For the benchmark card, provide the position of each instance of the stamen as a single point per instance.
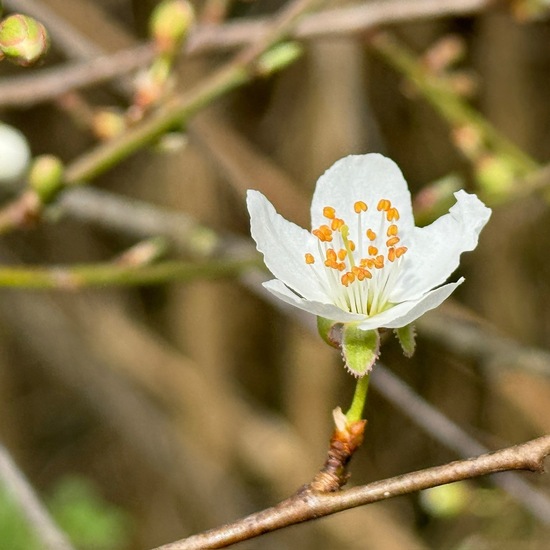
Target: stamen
(347, 278)
(383, 205)
(392, 214)
(324, 233)
(329, 212)
(379, 262)
(400, 251)
(336, 224)
(362, 269)
(393, 241)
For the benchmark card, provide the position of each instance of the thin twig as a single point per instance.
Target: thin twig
(457, 112)
(49, 83)
(307, 505)
(112, 274)
(29, 504)
(452, 436)
(334, 22)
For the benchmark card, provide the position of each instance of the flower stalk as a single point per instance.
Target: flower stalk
(359, 400)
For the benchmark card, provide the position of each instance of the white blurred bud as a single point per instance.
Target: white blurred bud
(15, 153)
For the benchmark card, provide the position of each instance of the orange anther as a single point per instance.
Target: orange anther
(392, 214)
(351, 245)
(373, 251)
(320, 235)
(391, 254)
(342, 253)
(383, 204)
(347, 278)
(310, 259)
(392, 230)
(379, 262)
(393, 241)
(371, 235)
(367, 262)
(362, 273)
(329, 212)
(324, 233)
(336, 224)
(400, 251)
(360, 206)
(341, 266)
(331, 255)
(331, 263)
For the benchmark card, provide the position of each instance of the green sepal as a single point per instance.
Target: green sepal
(360, 349)
(406, 336)
(330, 331)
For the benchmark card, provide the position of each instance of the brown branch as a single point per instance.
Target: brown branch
(307, 505)
(334, 22)
(49, 83)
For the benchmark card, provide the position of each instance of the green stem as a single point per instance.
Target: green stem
(112, 274)
(359, 399)
(452, 107)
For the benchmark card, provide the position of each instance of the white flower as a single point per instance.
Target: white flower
(365, 262)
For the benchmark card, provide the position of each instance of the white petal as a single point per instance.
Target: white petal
(329, 311)
(435, 250)
(406, 312)
(368, 178)
(283, 245)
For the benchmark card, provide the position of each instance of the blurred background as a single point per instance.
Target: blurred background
(142, 414)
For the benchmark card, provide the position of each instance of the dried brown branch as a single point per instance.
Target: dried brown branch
(307, 505)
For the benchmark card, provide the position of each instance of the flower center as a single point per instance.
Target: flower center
(359, 270)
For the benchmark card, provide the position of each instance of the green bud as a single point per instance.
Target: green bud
(170, 22)
(278, 57)
(46, 177)
(447, 501)
(23, 40)
(108, 124)
(360, 349)
(406, 336)
(495, 175)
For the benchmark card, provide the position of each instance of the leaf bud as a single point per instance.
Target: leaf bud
(169, 25)
(23, 40)
(46, 177)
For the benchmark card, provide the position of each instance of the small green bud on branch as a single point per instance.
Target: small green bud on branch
(46, 177)
(23, 40)
(170, 24)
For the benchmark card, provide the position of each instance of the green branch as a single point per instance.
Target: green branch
(486, 143)
(103, 275)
